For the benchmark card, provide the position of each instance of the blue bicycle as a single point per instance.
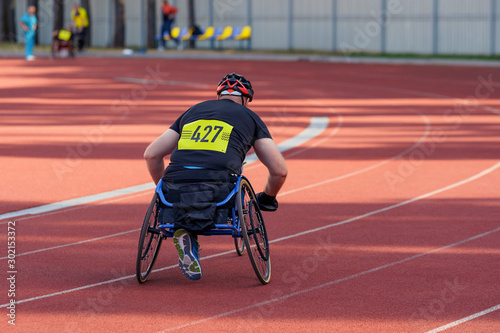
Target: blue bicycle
(244, 223)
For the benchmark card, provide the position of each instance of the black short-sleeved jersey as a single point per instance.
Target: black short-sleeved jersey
(216, 134)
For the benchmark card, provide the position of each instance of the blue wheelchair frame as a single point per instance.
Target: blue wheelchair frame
(232, 229)
(246, 227)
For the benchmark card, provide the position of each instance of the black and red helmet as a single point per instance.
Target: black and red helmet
(236, 85)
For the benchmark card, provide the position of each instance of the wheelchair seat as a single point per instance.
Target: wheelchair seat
(197, 203)
(195, 206)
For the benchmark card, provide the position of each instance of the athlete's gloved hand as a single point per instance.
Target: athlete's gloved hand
(266, 202)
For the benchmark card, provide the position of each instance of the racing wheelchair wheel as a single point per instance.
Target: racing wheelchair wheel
(254, 231)
(149, 242)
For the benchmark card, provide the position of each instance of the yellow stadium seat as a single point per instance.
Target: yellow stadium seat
(175, 32)
(246, 33)
(227, 33)
(207, 34)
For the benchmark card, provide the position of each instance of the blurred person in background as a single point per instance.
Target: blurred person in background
(81, 22)
(169, 12)
(29, 24)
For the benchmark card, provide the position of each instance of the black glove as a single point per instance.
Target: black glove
(266, 202)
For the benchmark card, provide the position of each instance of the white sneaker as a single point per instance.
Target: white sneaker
(30, 58)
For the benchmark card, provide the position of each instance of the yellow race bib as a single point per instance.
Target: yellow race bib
(205, 135)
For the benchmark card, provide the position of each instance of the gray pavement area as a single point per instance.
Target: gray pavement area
(18, 52)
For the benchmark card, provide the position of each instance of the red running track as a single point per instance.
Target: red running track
(389, 221)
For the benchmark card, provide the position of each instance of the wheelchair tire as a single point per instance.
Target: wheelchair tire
(254, 231)
(149, 242)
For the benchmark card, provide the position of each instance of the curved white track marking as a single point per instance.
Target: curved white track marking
(78, 201)
(316, 126)
(463, 320)
(319, 125)
(74, 202)
(371, 167)
(327, 284)
(406, 202)
(398, 90)
(340, 121)
(446, 188)
(336, 129)
(300, 234)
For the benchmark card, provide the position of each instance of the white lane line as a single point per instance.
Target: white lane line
(336, 129)
(76, 243)
(303, 291)
(463, 320)
(371, 167)
(70, 209)
(465, 102)
(162, 82)
(446, 188)
(317, 125)
(340, 121)
(77, 201)
(406, 202)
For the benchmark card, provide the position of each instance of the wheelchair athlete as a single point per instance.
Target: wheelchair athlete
(62, 40)
(208, 144)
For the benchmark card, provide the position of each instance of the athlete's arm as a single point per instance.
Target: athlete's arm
(270, 156)
(164, 145)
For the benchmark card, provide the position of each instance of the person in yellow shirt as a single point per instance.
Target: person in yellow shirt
(81, 22)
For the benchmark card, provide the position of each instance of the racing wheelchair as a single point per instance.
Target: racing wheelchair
(244, 223)
(62, 44)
